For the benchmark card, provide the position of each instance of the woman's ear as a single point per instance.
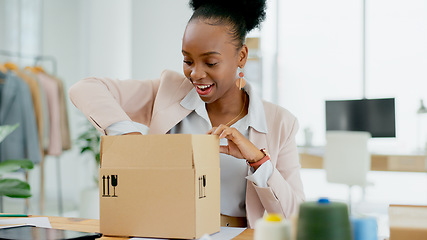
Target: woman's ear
(243, 56)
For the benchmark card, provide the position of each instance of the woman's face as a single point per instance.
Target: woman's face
(211, 59)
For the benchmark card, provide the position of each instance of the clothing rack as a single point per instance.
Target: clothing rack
(37, 59)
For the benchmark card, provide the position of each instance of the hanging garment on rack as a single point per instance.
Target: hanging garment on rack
(33, 84)
(16, 107)
(44, 108)
(51, 90)
(63, 115)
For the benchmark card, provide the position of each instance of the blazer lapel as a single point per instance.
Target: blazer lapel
(167, 118)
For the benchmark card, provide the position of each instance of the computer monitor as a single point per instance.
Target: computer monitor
(376, 116)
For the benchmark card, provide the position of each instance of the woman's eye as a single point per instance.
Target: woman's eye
(188, 62)
(211, 64)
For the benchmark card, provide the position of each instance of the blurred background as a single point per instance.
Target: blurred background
(306, 52)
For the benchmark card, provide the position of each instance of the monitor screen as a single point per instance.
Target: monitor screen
(376, 116)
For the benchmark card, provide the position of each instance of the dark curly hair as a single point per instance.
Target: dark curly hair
(241, 15)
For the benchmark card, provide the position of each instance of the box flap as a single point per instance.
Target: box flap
(159, 151)
(206, 151)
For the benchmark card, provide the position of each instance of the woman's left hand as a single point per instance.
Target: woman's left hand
(238, 145)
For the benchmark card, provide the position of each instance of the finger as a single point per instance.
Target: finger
(220, 129)
(225, 134)
(223, 149)
(211, 130)
(229, 133)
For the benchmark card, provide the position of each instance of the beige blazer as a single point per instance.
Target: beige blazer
(156, 104)
(50, 87)
(63, 115)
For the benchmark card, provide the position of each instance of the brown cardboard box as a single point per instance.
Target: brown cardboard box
(408, 222)
(165, 186)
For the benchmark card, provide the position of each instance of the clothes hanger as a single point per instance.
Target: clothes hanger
(11, 66)
(39, 69)
(35, 69)
(31, 69)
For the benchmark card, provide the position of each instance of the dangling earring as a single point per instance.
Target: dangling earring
(241, 82)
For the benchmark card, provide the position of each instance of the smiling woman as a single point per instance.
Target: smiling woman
(259, 160)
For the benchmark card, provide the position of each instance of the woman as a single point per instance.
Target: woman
(212, 98)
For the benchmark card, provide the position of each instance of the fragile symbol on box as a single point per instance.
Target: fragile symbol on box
(106, 185)
(202, 186)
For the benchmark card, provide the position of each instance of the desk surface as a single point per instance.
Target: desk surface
(92, 225)
(312, 157)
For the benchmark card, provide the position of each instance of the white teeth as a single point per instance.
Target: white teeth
(203, 87)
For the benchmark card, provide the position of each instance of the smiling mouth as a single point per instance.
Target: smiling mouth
(204, 89)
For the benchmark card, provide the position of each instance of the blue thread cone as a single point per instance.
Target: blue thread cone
(364, 228)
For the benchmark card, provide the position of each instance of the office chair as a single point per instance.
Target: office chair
(347, 159)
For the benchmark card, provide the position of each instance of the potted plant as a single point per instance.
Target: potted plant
(11, 187)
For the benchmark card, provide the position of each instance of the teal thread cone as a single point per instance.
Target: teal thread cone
(324, 220)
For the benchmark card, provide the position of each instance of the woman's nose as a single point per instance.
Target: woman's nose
(197, 73)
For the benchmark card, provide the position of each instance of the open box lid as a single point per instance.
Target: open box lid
(160, 151)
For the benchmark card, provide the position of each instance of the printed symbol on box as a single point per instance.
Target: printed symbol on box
(202, 186)
(114, 184)
(106, 185)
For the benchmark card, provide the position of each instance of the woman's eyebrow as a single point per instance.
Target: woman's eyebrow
(210, 53)
(203, 54)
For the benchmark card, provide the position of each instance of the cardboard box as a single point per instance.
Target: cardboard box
(161, 186)
(408, 222)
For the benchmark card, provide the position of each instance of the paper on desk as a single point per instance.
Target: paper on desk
(224, 234)
(33, 221)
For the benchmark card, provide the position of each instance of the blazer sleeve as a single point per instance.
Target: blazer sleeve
(285, 191)
(105, 101)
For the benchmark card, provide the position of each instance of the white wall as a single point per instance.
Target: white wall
(107, 37)
(158, 28)
(319, 57)
(269, 52)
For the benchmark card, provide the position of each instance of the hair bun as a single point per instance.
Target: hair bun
(252, 11)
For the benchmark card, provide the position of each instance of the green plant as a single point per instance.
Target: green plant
(89, 142)
(10, 187)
